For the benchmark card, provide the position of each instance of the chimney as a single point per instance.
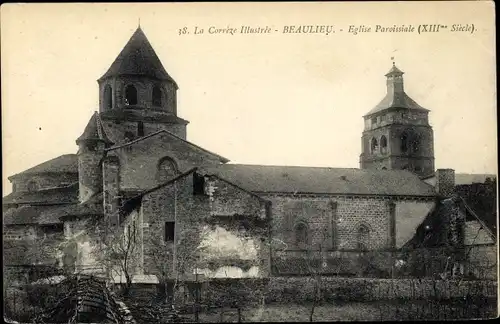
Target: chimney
(445, 182)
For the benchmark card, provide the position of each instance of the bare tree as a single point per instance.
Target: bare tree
(117, 250)
(314, 270)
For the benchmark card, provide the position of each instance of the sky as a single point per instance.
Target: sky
(278, 99)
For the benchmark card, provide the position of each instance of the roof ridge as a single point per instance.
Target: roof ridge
(169, 133)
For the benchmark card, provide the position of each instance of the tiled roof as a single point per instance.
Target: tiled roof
(93, 206)
(62, 195)
(470, 178)
(138, 58)
(432, 232)
(396, 100)
(394, 71)
(395, 97)
(67, 163)
(317, 180)
(24, 215)
(94, 130)
(93, 300)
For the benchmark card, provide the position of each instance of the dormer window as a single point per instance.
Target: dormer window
(130, 95)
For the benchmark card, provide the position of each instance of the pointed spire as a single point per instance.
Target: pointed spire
(94, 131)
(396, 96)
(394, 71)
(138, 58)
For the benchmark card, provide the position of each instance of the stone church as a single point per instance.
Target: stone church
(189, 211)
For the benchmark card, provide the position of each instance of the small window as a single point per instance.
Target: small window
(108, 99)
(374, 120)
(198, 184)
(169, 231)
(140, 129)
(157, 96)
(130, 95)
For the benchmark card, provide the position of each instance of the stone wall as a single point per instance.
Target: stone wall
(139, 162)
(20, 232)
(301, 288)
(208, 234)
(333, 221)
(89, 172)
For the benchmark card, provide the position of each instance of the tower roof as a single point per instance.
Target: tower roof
(94, 131)
(396, 97)
(138, 58)
(394, 71)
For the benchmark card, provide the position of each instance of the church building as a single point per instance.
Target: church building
(185, 210)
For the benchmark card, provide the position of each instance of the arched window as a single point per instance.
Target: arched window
(383, 144)
(404, 142)
(384, 168)
(157, 96)
(32, 186)
(301, 235)
(374, 145)
(130, 95)
(363, 238)
(167, 169)
(108, 99)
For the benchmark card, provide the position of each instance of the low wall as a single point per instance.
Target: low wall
(359, 289)
(230, 292)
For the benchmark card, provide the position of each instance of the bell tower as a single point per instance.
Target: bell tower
(397, 134)
(136, 94)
